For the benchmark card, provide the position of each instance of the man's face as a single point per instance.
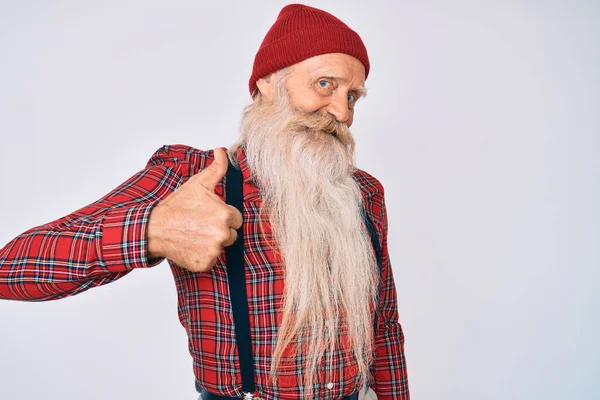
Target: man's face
(331, 82)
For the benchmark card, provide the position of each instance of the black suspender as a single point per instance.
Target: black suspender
(237, 280)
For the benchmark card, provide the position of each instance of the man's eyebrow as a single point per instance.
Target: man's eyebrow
(360, 90)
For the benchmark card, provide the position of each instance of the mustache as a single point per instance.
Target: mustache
(315, 122)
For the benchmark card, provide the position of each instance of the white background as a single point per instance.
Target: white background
(482, 122)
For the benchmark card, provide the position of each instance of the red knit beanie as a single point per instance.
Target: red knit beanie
(301, 32)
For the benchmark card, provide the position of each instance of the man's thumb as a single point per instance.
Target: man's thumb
(212, 175)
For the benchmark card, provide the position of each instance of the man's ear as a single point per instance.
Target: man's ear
(266, 86)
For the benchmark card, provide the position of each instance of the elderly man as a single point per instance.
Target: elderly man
(278, 244)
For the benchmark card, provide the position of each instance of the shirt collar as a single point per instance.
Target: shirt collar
(243, 163)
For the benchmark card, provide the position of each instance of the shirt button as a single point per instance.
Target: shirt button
(329, 385)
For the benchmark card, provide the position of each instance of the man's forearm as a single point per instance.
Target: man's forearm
(96, 244)
(73, 254)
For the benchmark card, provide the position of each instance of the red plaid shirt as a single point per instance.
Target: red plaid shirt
(106, 240)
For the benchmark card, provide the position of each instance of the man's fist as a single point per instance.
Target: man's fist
(192, 225)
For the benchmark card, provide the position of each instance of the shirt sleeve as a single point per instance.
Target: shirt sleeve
(95, 245)
(390, 372)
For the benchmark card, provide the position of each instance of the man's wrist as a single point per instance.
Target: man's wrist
(153, 245)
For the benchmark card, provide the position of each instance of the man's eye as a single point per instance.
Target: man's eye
(323, 83)
(351, 98)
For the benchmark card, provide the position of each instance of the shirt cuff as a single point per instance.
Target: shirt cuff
(124, 238)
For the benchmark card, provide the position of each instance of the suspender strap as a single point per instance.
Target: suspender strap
(376, 245)
(237, 281)
(236, 278)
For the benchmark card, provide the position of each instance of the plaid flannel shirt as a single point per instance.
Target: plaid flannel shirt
(106, 240)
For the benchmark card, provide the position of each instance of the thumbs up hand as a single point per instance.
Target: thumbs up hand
(192, 224)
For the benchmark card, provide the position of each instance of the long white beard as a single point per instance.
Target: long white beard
(305, 176)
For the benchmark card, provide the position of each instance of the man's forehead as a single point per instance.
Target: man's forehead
(342, 69)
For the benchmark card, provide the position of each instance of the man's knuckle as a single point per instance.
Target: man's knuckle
(222, 235)
(231, 213)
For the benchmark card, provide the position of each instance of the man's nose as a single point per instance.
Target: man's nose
(339, 109)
